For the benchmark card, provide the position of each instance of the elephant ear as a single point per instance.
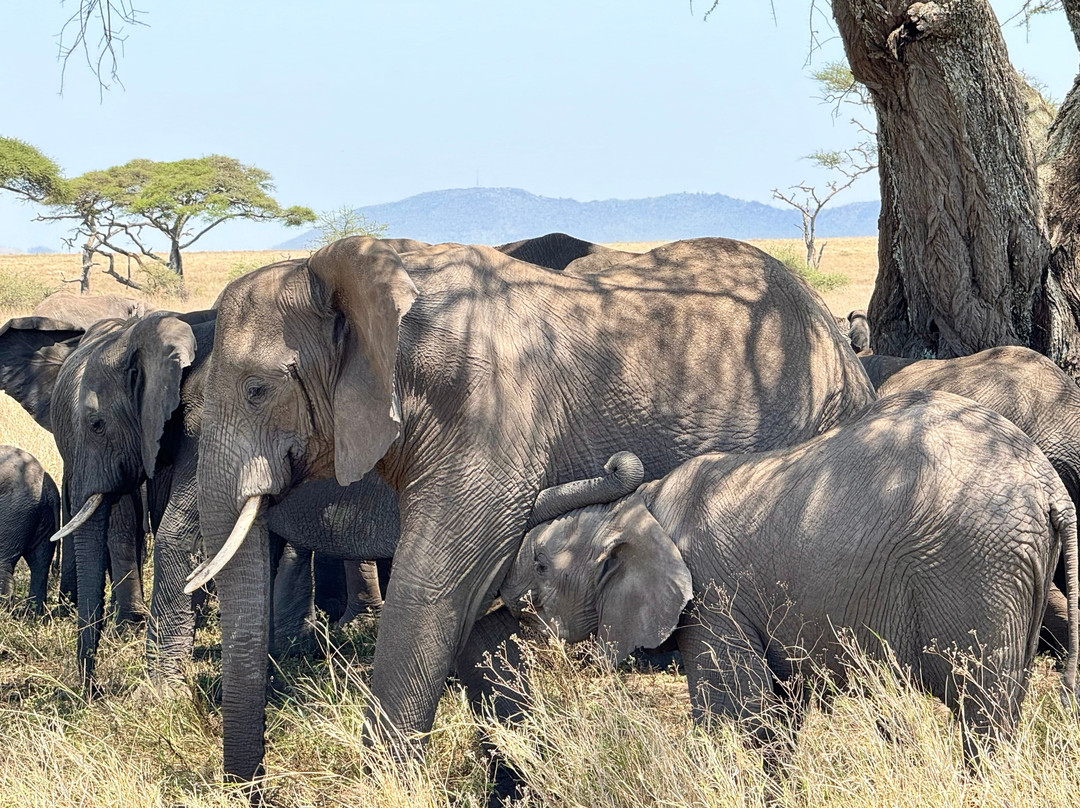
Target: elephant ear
(371, 290)
(644, 583)
(32, 349)
(158, 348)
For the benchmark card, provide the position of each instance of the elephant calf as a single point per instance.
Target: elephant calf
(929, 521)
(30, 504)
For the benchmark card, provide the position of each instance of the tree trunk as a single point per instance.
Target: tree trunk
(961, 246)
(1061, 315)
(87, 265)
(176, 262)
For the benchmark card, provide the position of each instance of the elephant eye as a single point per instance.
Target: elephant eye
(255, 391)
(540, 564)
(96, 424)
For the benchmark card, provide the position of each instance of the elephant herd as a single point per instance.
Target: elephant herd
(452, 407)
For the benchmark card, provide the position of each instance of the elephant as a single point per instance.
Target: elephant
(560, 252)
(31, 509)
(32, 351)
(1029, 390)
(132, 407)
(859, 330)
(84, 310)
(755, 561)
(127, 534)
(470, 381)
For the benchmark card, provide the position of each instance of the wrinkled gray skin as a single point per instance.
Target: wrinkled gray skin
(560, 252)
(32, 351)
(84, 310)
(471, 381)
(925, 520)
(127, 540)
(1028, 389)
(132, 407)
(30, 514)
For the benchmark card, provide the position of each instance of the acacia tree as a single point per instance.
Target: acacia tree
(966, 259)
(181, 200)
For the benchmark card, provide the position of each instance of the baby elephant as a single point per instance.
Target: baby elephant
(928, 522)
(30, 511)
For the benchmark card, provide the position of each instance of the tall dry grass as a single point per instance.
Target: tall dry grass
(590, 737)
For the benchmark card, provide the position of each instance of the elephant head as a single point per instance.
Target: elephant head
(106, 398)
(306, 396)
(608, 570)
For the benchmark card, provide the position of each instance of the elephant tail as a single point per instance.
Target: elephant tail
(1063, 518)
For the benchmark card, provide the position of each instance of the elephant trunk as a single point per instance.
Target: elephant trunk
(91, 559)
(624, 474)
(244, 593)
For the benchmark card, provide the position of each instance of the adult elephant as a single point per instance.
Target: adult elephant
(1026, 388)
(30, 506)
(559, 251)
(84, 310)
(471, 381)
(127, 537)
(32, 351)
(124, 404)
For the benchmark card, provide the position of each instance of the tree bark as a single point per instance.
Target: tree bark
(1061, 315)
(176, 262)
(962, 248)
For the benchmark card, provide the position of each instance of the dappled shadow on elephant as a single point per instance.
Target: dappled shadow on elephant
(1030, 391)
(928, 523)
(470, 381)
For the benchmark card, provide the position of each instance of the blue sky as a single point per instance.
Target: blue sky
(360, 103)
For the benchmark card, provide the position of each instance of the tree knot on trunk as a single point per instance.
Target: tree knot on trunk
(923, 19)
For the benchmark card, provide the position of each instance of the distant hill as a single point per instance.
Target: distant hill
(498, 215)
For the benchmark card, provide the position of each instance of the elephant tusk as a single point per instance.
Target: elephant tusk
(208, 569)
(75, 522)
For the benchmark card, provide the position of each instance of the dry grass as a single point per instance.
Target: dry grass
(591, 738)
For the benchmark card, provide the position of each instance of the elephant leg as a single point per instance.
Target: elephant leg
(726, 669)
(491, 669)
(127, 547)
(362, 585)
(39, 559)
(170, 633)
(1054, 636)
(293, 605)
(331, 590)
(69, 581)
(7, 580)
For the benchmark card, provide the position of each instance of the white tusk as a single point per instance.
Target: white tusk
(208, 569)
(75, 522)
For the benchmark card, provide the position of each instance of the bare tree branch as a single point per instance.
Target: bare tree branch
(105, 20)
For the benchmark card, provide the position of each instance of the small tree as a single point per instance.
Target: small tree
(344, 222)
(182, 200)
(849, 165)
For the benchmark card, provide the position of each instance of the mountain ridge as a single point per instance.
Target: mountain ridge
(498, 215)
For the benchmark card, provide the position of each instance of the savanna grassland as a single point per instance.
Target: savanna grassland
(591, 737)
